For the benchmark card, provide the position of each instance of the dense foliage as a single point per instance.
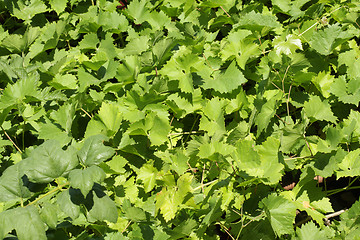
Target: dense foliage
(148, 119)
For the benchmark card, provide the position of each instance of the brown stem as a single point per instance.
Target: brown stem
(225, 11)
(11, 140)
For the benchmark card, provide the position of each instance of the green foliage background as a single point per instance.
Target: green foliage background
(177, 119)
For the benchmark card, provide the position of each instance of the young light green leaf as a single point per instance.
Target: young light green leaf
(287, 45)
(346, 91)
(270, 160)
(138, 10)
(247, 159)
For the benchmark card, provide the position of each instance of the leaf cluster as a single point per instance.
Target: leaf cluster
(178, 119)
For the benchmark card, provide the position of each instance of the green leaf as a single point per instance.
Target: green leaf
(287, 44)
(310, 231)
(326, 40)
(291, 8)
(58, 5)
(13, 184)
(65, 116)
(270, 160)
(94, 152)
(160, 128)
(138, 10)
(90, 41)
(247, 159)
(25, 221)
(316, 109)
(133, 213)
(213, 121)
(84, 179)
(350, 165)
(281, 214)
(66, 201)
(48, 161)
(49, 131)
(168, 200)
(49, 214)
(86, 80)
(227, 81)
(267, 110)
(147, 174)
(103, 209)
(346, 91)
(351, 60)
(258, 22)
(323, 82)
(14, 93)
(110, 115)
(28, 9)
(113, 21)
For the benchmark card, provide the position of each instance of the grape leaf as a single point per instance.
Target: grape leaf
(28, 9)
(347, 92)
(94, 151)
(84, 179)
(350, 165)
(258, 22)
(323, 82)
(147, 174)
(13, 185)
(326, 40)
(225, 82)
(310, 231)
(48, 161)
(281, 213)
(270, 161)
(103, 209)
(49, 214)
(25, 221)
(247, 159)
(110, 115)
(287, 44)
(58, 5)
(351, 60)
(316, 109)
(66, 200)
(138, 10)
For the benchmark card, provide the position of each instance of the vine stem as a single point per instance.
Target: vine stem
(204, 185)
(59, 187)
(11, 140)
(226, 230)
(331, 215)
(86, 112)
(225, 11)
